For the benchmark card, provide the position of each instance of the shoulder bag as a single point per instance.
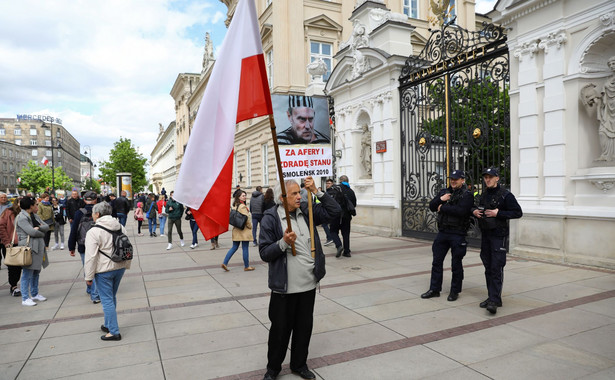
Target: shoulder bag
(20, 256)
(237, 219)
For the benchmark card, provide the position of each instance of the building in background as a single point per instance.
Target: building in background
(43, 136)
(86, 167)
(163, 172)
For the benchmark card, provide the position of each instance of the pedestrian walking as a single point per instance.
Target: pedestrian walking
(175, 211)
(240, 236)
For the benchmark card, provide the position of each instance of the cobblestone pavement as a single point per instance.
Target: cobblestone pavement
(182, 317)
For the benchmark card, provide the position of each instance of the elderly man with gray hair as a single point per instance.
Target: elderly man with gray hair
(98, 265)
(293, 279)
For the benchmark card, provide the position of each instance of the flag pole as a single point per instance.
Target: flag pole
(278, 161)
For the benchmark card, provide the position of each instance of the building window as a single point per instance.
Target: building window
(321, 50)
(10, 153)
(4, 166)
(6, 180)
(17, 131)
(48, 153)
(265, 165)
(248, 168)
(11, 166)
(34, 152)
(2, 131)
(58, 134)
(12, 180)
(32, 131)
(59, 153)
(270, 68)
(47, 142)
(47, 132)
(17, 141)
(4, 152)
(411, 8)
(33, 142)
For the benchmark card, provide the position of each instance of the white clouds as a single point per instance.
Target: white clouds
(105, 67)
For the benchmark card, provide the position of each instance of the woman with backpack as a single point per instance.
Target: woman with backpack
(243, 236)
(99, 247)
(150, 213)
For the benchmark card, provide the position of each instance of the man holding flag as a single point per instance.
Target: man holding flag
(237, 90)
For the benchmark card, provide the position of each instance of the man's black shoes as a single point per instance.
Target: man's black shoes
(340, 249)
(492, 307)
(452, 296)
(270, 375)
(305, 373)
(486, 302)
(347, 254)
(430, 293)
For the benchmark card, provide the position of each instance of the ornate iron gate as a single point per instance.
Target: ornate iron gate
(454, 115)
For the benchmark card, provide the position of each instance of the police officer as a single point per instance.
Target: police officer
(453, 205)
(496, 206)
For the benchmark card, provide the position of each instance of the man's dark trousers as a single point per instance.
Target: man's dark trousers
(493, 255)
(290, 313)
(458, 246)
(344, 226)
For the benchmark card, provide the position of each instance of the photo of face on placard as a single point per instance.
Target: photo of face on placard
(301, 119)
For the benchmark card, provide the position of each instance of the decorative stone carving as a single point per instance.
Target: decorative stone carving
(604, 104)
(208, 54)
(366, 151)
(556, 39)
(608, 20)
(603, 185)
(526, 49)
(359, 39)
(317, 69)
(379, 16)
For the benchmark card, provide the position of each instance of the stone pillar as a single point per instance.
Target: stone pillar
(554, 137)
(530, 164)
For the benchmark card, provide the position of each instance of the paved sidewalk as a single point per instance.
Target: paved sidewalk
(182, 317)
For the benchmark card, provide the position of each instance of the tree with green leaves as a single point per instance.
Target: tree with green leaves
(92, 184)
(479, 121)
(124, 157)
(38, 179)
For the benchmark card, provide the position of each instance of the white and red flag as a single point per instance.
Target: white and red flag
(237, 90)
(44, 161)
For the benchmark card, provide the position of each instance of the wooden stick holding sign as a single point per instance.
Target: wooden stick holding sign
(311, 216)
(278, 161)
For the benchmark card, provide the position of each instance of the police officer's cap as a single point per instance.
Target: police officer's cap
(491, 171)
(457, 174)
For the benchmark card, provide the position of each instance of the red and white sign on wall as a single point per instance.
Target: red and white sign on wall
(301, 161)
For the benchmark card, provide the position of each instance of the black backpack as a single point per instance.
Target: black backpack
(122, 248)
(342, 200)
(85, 223)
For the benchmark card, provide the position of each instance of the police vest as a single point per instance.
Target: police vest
(490, 200)
(454, 222)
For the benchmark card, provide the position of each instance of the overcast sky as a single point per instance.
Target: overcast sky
(105, 67)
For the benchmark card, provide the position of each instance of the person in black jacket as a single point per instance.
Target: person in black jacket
(496, 206)
(347, 202)
(453, 205)
(73, 204)
(293, 279)
(122, 207)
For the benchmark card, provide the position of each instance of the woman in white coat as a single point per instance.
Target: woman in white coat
(97, 264)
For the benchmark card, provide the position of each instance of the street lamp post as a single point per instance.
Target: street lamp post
(53, 143)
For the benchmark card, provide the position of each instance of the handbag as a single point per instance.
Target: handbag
(237, 219)
(148, 211)
(20, 256)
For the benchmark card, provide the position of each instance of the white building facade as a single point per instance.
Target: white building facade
(163, 171)
(561, 133)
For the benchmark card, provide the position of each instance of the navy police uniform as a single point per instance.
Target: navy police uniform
(495, 237)
(453, 224)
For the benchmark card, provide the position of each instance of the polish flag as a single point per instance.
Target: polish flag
(237, 90)
(44, 161)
